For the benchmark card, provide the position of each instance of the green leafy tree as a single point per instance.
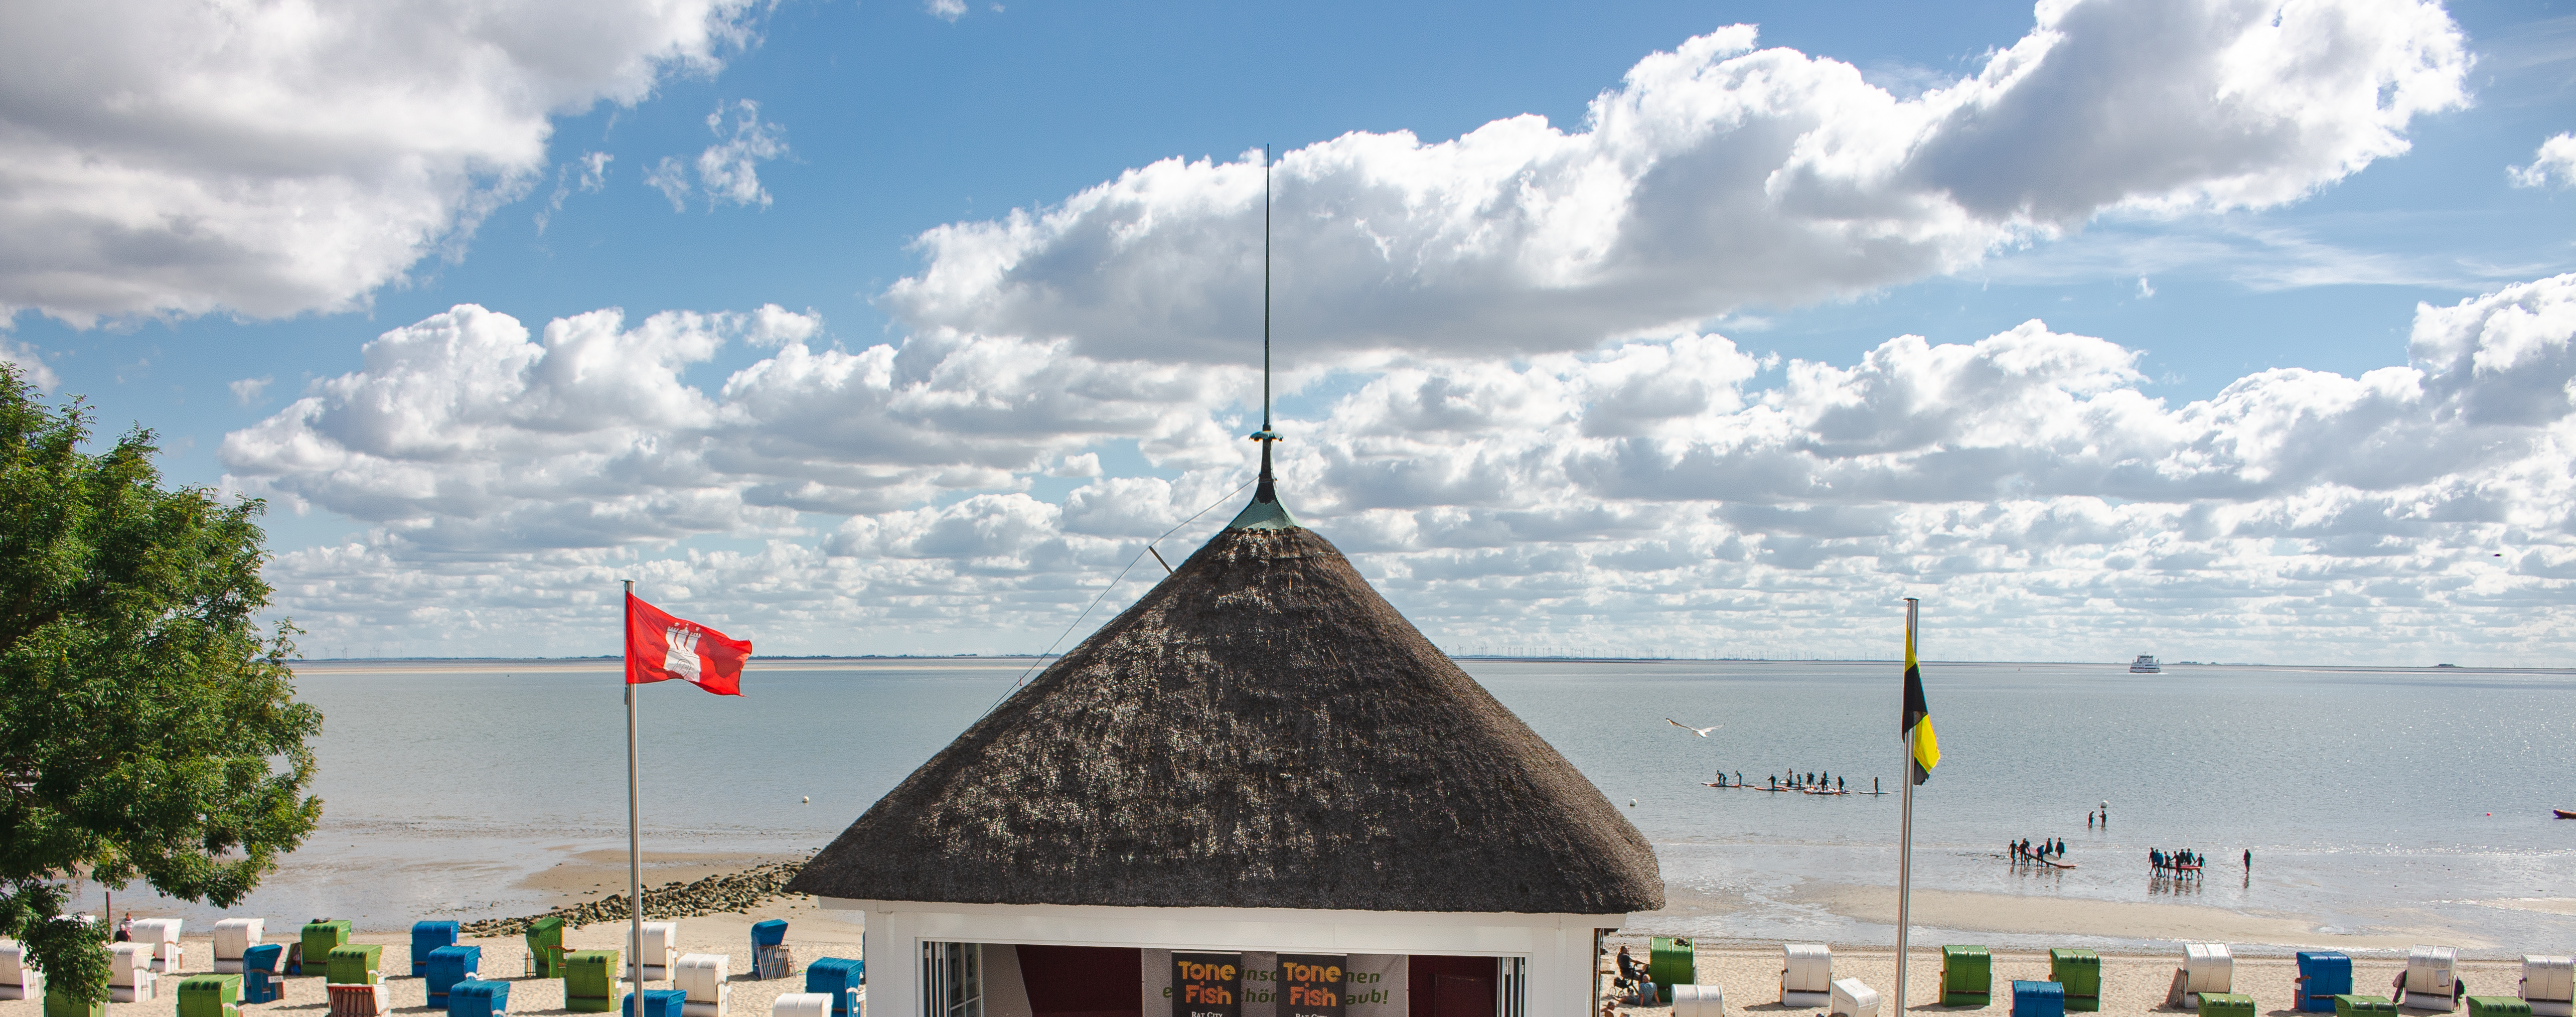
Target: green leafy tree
(148, 727)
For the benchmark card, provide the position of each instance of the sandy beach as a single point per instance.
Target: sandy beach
(2133, 985)
(811, 932)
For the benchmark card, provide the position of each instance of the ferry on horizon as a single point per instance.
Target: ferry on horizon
(2145, 664)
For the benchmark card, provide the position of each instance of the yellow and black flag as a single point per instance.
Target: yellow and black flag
(1918, 713)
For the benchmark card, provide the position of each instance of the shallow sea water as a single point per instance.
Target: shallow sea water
(2372, 799)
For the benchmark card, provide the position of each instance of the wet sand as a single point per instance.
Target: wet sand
(1934, 910)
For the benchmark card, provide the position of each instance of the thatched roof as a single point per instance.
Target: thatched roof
(1261, 730)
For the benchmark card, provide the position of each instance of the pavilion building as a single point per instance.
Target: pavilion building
(1258, 779)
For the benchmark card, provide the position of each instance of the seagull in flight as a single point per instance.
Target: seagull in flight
(1700, 731)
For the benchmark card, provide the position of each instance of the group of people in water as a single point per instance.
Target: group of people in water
(2185, 862)
(1809, 781)
(2047, 849)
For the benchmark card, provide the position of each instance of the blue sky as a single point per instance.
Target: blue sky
(842, 134)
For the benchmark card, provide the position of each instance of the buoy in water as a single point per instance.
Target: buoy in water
(808, 800)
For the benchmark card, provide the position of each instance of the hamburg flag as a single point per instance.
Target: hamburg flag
(660, 648)
(1918, 715)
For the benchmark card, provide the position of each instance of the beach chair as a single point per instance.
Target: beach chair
(655, 1003)
(702, 977)
(1850, 998)
(1806, 974)
(17, 980)
(545, 947)
(1968, 977)
(449, 965)
(769, 954)
(2206, 968)
(129, 972)
(2323, 975)
(260, 982)
(2080, 972)
(478, 998)
(801, 1004)
(842, 979)
(2499, 1006)
(1671, 961)
(314, 945)
(2038, 999)
(2364, 1006)
(2226, 1004)
(2549, 985)
(427, 937)
(2429, 981)
(61, 1004)
(163, 935)
(232, 936)
(210, 996)
(1699, 1001)
(661, 950)
(369, 1000)
(356, 964)
(590, 981)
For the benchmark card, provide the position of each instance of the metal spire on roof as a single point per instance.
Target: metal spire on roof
(1265, 512)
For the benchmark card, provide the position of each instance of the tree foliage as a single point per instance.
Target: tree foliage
(148, 727)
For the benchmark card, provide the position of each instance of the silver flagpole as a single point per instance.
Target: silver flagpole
(1905, 835)
(634, 808)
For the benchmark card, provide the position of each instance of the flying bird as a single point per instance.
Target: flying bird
(1700, 731)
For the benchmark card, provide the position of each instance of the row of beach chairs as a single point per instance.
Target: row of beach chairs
(246, 971)
(2205, 983)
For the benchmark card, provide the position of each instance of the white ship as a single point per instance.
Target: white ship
(2145, 664)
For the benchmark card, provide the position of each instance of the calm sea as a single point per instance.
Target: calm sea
(2371, 798)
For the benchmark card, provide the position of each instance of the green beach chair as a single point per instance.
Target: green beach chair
(590, 981)
(321, 936)
(545, 947)
(2226, 1004)
(59, 1003)
(2080, 971)
(1967, 976)
(1670, 961)
(210, 996)
(2479, 1006)
(2364, 1006)
(356, 964)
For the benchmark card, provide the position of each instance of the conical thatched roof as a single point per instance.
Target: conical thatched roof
(1261, 730)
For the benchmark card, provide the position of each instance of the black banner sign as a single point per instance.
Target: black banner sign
(1310, 985)
(1207, 985)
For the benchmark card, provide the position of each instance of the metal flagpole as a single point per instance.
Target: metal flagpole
(1905, 835)
(634, 807)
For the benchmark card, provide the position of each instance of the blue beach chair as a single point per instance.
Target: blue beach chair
(840, 978)
(426, 937)
(449, 965)
(259, 972)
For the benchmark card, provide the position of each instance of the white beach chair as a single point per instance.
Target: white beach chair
(232, 937)
(801, 1004)
(163, 935)
(661, 947)
(2206, 967)
(1806, 974)
(129, 972)
(1853, 999)
(17, 980)
(1699, 1001)
(702, 976)
(2427, 982)
(2549, 985)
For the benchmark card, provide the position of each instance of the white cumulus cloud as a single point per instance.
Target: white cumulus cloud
(2555, 161)
(275, 156)
(1716, 176)
(1669, 494)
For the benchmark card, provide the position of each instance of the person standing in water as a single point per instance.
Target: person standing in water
(2249, 859)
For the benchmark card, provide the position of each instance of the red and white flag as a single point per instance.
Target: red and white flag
(660, 647)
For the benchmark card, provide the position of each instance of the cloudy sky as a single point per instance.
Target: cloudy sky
(2218, 330)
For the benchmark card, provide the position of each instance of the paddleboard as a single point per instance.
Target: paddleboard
(2564, 813)
(2062, 865)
